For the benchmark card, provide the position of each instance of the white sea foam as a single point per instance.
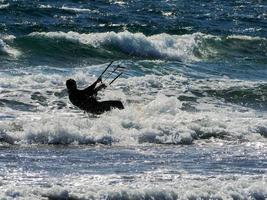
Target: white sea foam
(245, 37)
(7, 37)
(157, 46)
(5, 48)
(76, 9)
(150, 114)
(120, 3)
(2, 6)
(167, 14)
(45, 6)
(150, 185)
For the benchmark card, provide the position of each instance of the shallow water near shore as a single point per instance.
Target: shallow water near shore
(194, 90)
(212, 171)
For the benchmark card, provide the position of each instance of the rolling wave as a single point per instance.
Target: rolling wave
(189, 47)
(132, 44)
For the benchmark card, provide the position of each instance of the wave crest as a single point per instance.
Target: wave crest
(2, 6)
(187, 48)
(162, 46)
(6, 49)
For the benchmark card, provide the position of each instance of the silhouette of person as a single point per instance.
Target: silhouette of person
(86, 99)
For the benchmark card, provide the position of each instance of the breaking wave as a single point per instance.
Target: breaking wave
(5, 49)
(189, 47)
(134, 44)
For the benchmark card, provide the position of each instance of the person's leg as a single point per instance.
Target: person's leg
(108, 105)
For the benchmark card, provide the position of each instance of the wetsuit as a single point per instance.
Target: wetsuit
(86, 99)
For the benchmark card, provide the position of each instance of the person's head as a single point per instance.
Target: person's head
(71, 84)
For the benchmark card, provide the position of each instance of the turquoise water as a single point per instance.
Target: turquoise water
(194, 89)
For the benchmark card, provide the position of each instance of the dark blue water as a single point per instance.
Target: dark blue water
(194, 89)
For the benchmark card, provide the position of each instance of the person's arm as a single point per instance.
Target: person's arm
(100, 87)
(91, 89)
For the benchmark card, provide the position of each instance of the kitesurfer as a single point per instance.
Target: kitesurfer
(86, 99)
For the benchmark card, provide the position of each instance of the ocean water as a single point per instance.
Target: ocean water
(194, 90)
